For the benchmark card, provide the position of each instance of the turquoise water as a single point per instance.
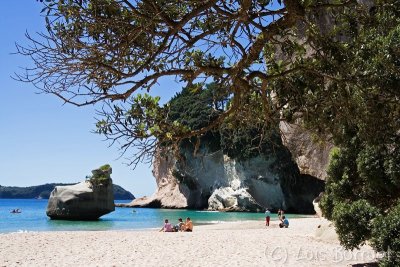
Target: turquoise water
(33, 218)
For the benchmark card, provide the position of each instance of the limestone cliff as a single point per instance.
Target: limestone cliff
(211, 179)
(311, 156)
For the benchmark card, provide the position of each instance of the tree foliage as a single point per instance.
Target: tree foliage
(106, 51)
(353, 222)
(386, 236)
(196, 108)
(242, 136)
(101, 176)
(361, 193)
(365, 167)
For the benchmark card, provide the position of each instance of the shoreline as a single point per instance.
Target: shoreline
(307, 242)
(201, 225)
(198, 224)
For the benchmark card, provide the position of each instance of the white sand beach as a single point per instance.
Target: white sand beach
(226, 244)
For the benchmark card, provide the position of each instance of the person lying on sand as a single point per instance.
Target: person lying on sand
(188, 226)
(167, 227)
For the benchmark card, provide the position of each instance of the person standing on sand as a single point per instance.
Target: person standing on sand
(267, 217)
(167, 227)
(280, 214)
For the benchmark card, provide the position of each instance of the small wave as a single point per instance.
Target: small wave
(212, 222)
(207, 211)
(216, 222)
(21, 231)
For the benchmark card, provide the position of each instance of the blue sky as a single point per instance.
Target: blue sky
(42, 140)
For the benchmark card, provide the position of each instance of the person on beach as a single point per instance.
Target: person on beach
(167, 227)
(267, 217)
(280, 214)
(178, 226)
(284, 222)
(188, 226)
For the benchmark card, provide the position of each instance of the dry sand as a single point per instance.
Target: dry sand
(226, 244)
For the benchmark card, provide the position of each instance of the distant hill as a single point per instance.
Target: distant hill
(43, 191)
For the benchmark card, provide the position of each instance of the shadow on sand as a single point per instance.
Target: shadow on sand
(369, 264)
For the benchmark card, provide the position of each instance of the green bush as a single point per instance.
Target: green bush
(100, 180)
(105, 167)
(101, 176)
(326, 204)
(386, 237)
(353, 222)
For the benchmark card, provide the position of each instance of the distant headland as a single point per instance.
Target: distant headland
(43, 192)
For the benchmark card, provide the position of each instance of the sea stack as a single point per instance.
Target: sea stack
(87, 200)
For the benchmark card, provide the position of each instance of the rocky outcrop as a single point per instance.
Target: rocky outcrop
(317, 208)
(212, 180)
(87, 200)
(228, 199)
(311, 156)
(169, 193)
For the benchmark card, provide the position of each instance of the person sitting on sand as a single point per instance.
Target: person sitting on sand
(178, 226)
(167, 227)
(188, 226)
(284, 222)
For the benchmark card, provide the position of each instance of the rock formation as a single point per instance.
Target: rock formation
(316, 203)
(311, 156)
(212, 180)
(87, 200)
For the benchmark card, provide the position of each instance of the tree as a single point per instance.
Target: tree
(105, 51)
(362, 191)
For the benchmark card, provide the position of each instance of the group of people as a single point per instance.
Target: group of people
(284, 222)
(187, 226)
(179, 227)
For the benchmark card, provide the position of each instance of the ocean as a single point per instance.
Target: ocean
(33, 218)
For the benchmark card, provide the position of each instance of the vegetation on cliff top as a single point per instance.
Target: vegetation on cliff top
(240, 137)
(101, 176)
